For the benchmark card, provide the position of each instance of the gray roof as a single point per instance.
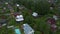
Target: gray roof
(2, 21)
(27, 29)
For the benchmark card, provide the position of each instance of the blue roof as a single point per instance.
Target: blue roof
(17, 31)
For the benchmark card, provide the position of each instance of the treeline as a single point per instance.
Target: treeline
(42, 7)
(39, 6)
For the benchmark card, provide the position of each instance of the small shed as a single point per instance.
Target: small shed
(34, 14)
(17, 5)
(52, 6)
(28, 29)
(17, 31)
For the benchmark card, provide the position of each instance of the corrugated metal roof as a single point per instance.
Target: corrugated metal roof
(27, 29)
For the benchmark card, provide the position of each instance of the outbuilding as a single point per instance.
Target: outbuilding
(17, 31)
(34, 14)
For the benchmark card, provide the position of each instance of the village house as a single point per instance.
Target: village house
(19, 18)
(28, 29)
(51, 21)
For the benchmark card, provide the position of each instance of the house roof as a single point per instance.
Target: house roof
(19, 18)
(2, 21)
(27, 29)
(51, 21)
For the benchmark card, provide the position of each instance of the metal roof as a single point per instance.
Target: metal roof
(2, 21)
(27, 29)
(17, 31)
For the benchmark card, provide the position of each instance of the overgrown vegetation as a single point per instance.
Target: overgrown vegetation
(39, 24)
